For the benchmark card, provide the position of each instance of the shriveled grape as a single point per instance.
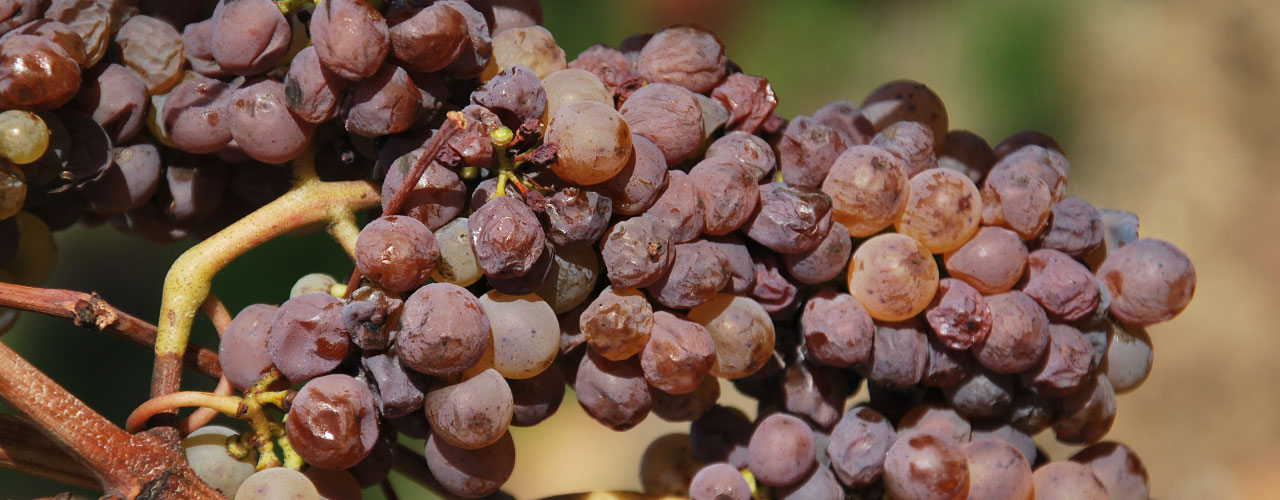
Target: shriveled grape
(790, 219)
(679, 209)
(471, 414)
(684, 55)
(617, 324)
(397, 251)
(443, 330)
(678, 355)
(333, 422)
(669, 116)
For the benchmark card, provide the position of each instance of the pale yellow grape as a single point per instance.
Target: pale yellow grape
(457, 260)
(23, 136)
(742, 332)
(277, 483)
(206, 451)
(893, 276)
(525, 334)
(312, 283)
(594, 141)
(943, 211)
(572, 277)
(33, 262)
(572, 85)
(532, 47)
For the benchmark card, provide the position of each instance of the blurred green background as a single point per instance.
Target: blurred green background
(1168, 109)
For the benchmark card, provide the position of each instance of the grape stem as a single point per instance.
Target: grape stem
(228, 405)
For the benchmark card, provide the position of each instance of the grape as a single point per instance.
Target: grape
(1066, 365)
(937, 418)
(334, 484)
(1121, 228)
(958, 314)
(636, 252)
(770, 289)
(193, 188)
(536, 398)
(618, 323)
(206, 452)
(117, 99)
(152, 48)
(457, 261)
(967, 153)
(526, 335)
(728, 194)
(515, 94)
(471, 473)
(531, 281)
(594, 142)
(277, 483)
(1048, 165)
(435, 199)
(742, 273)
(506, 237)
(722, 434)
(532, 47)
(668, 465)
(19, 13)
(893, 276)
(261, 124)
(1009, 435)
(427, 40)
(1075, 228)
(370, 313)
(470, 414)
(807, 151)
(308, 337)
(312, 92)
(333, 422)
(478, 48)
(669, 116)
(398, 392)
(868, 189)
(943, 210)
(747, 150)
(350, 37)
(823, 263)
(679, 209)
(13, 191)
(571, 279)
(608, 65)
(385, 103)
(982, 395)
(898, 355)
(576, 216)
(248, 36)
(848, 121)
(612, 392)
(905, 100)
(814, 392)
(858, 445)
(1018, 140)
(35, 74)
(684, 55)
(910, 141)
(1128, 358)
(1032, 413)
(1061, 285)
(678, 355)
(1017, 201)
(1118, 468)
(997, 471)
(837, 329)
(639, 184)
(992, 262)
(742, 331)
(924, 465)
(1150, 281)
(719, 481)
(195, 114)
(88, 18)
(443, 330)
(508, 14)
(1087, 414)
(197, 48)
(1067, 481)
(572, 85)
(397, 252)
(945, 367)
(24, 138)
(749, 101)
(698, 270)
(782, 450)
(790, 219)
(689, 406)
(1019, 334)
(243, 351)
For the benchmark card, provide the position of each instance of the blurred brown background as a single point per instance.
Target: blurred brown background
(1167, 109)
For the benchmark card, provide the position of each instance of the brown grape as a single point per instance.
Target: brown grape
(669, 116)
(905, 100)
(790, 219)
(992, 261)
(837, 329)
(943, 210)
(594, 142)
(443, 330)
(88, 18)
(748, 150)
(749, 99)
(639, 184)
(967, 153)
(679, 209)
(387, 102)
(958, 314)
(506, 237)
(678, 355)
(1018, 140)
(923, 465)
(1067, 481)
(636, 252)
(429, 39)
(333, 422)
(698, 270)
(728, 192)
(35, 74)
(868, 190)
(471, 414)
(397, 251)
(1150, 281)
(893, 276)
(1062, 286)
(152, 48)
(742, 331)
(997, 471)
(350, 37)
(532, 47)
(617, 324)
(685, 55)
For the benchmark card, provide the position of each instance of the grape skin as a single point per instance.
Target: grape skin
(350, 37)
(533, 47)
(689, 406)
(427, 40)
(939, 419)
(1062, 286)
(748, 150)
(1075, 228)
(742, 273)
(261, 124)
(678, 354)
(128, 183)
(982, 395)
(749, 101)
(910, 141)
(719, 481)
(684, 55)
(443, 330)
(1007, 433)
(152, 48)
(387, 102)
(308, 336)
(248, 37)
(807, 151)
(790, 219)
(1019, 335)
(437, 197)
(333, 422)
(837, 329)
(679, 209)
(815, 392)
(1150, 281)
(943, 210)
(195, 115)
(458, 264)
(618, 323)
(945, 367)
(1065, 366)
(728, 193)
(506, 237)
(992, 261)
(893, 276)
(1067, 481)
(1087, 414)
(576, 216)
(722, 434)
(116, 98)
(515, 94)
(782, 450)
(35, 74)
(698, 271)
(778, 295)
(742, 331)
(206, 451)
(868, 189)
(1016, 199)
(898, 355)
(277, 483)
(537, 398)
(470, 414)
(636, 252)
(669, 116)
(571, 279)
(242, 352)
(1128, 358)
(396, 251)
(906, 100)
(197, 48)
(397, 391)
(612, 392)
(997, 471)
(923, 465)
(312, 91)
(594, 142)
(478, 48)
(967, 153)
(526, 335)
(1118, 468)
(471, 473)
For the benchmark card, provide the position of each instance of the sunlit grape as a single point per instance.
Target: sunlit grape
(23, 136)
(893, 276)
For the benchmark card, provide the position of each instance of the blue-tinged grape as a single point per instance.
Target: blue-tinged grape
(398, 391)
(1118, 468)
(669, 116)
(1150, 281)
(982, 394)
(807, 151)
(195, 116)
(1075, 228)
(308, 337)
(249, 36)
(536, 398)
(1067, 480)
(893, 276)
(506, 237)
(350, 37)
(868, 189)
(612, 392)
(152, 48)
(261, 124)
(668, 465)
(837, 329)
(967, 153)
(782, 450)
(790, 219)
(906, 100)
(857, 446)
(742, 331)
(945, 367)
(678, 355)
(429, 39)
(719, 481)
(1019, 334)
(923, 465)
(243, 351)
(206, 452)
(997, 471)
(443, 330)
(277, 483)
(333, 422)
(1128, 358)
(618, 323)
(698, 271)
(311, 90)
(471, 473)
(821, 484)
(35, 74)
(471, 414)
(679, 209)
(576, 216)
(686, 55)
(636, 252)
(747, 150)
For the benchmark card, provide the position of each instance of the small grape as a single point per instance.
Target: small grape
(678, 355)
(532, 47)
(612, 392)
(807, 151)
(945, 367)
(350, 37)
(848, 121)
(1128, 358)
(679, 209)
(312, 283)
(1067, 481)
(470, 414)
(1118, 468)
(910, 141)
(958, 314)
(24, 138)
(893, 276)
(668, 465)
(748, 150)
(924, 465)
(967, 153)
(261, 124)
(1017, 200)
(639, 184)
(206, 452)
(815, 392)
(333, 422)
(790, 219)
(277, 483)
(669, 116)
(684, 55)
(837, 329)
(997, 471)
(617, 324)
(195, 115)
(457, 261)
(526, 335)
(443, 330)
(1150, 281)
(636, 252)
(243, 350)
(749, 100)
(742, 331)
(1019, 334)
(471, 473)
(899, 354)
(594, 142)
(992, 261)
(719, 481)
(153, 49)
(1075, 228)
(905, 100)
(429, 39)
(782, 450)
(398, 391)
(385, 103)
(742, 272)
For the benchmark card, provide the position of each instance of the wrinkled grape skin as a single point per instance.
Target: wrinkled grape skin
(1067, 480)
(1150, 281)
(639, 184)
(436, 199)
(1118, 468)
(88, 18)
(1019, 334)
(825, 262)
(678, 355)
(385, 103)
(429, 39)
(868, 189)
(728, 194)
(684, 55)
(443, 330)
(594, 142)
(531, 281)
(807, 151)
(152, 48)
(618, 323)
(533, 47)
(196, 117)
(749, 99)
(679, 209)
(997, 471)
(612, 392)
(397, 252)
(967, 153)
(536, 398)
(1065, 366)
(526, 334)
(16, 13)
(249, 36)
(893, 276)
(790, 219)
(636, 252)
(742, 331)
(982, 394)
(56, 32)
(959, 315)
(308, 336)
(117, 100)
(698, 270)
(837, 329)
(848, 121)
(35, 74)
(506, 237)
(742, 273)
(197, 47)
(858, 445)
(906, 100)
(333, 422)
(1087, 414)
(1075, 228)
(910, 141)
(719, 481)
(782, 450)
(669, 116)
(748, 150)
(397, 391)
(943, 210)
(945, 367)
(261, 124)
(312, 92)
(477, 49)
(242, 351)
(1062, 286)
(576, 216)
(1017, 200)
(992, 261)
(515, 94)
(1032, 413)
(773, 291)
(470, 414)
(899, 354)
(815, 392)
(938, 418)
(471, 473)
(350, 37)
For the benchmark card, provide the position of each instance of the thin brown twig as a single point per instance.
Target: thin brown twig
(229, 405)
(217, 313)
(90, 311)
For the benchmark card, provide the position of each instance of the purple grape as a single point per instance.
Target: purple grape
(636, 252)
(397, 252)
(478, 47)
(427, 40)
(312, 91)
(437, 198)
(1063, 287)
(773, 291)
(128, 183)
(261, 124)
(506, 237)
(116, 98)
(821, 484)
(249, 36)
(742, 273)
(922, 465)
(857, 446)
(612, 392)
(471, 473)
(473, 413)
(782, 450)
(698, 271)
(1066, 365)
(515, 94)
(899, 354)
(790, 219)
(679, 209)
(946, 367)
(938, 418)
(848, 121)
(399, 392)
(385, 103)
(1068, 480)
(308, 337)
(669, 116)
(722, 434)
(350, 37)
(825, 262)
(997, 470)
(719, 481)
(807, 150)
(728, 192)
(242, 351)
(837, 329)
(443, 330)
(749, 100)
(1087, 414)
(333, 422)
(197, 47)
(193, 188)
(195, 115)
(685, 55)
(967, 153)
(689, 406)
(1007, 433)
(910, 141)
(678, 355)
(747, 150)
(1019, 335)
(1118, 468)
(982, 395)
(958, 314)
(537, 398)
(814, 392)
(576, 216)
(639, 184)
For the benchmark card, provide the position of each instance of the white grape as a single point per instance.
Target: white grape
(207, 453)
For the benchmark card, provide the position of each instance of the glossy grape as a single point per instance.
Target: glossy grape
(308, 336)
(782, 450)
(350, 37)
(906, 100)
(719, 481)
(277, 483)
(790, 219)
(457, 260)
(261, 124)
(893, 276)
(997, 471)
(506, 237)
(333, 422)
(24, 138)
(397, 252)
(526, 335)
(594, 142)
